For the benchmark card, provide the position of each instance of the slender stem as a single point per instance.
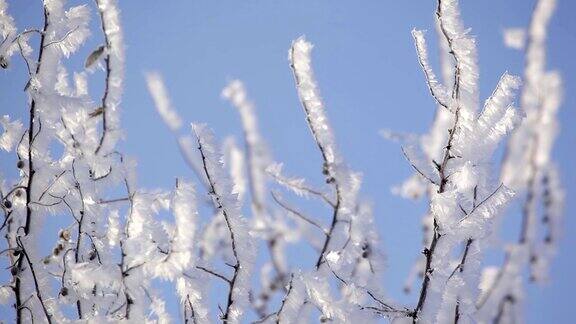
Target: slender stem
(429, 252)
(218, 204)
(214, 273)
(35, 280)
(107, 82)
(331, 178)
(298, 214)
(528, 208)
(259, 209)
(290, 287)
(31, 173)
(77, 251)
(460, 268)
(331, 229)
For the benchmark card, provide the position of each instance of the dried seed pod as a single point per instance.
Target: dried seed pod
(64, 235)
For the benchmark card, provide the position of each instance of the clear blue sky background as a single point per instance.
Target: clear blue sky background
(369, 76)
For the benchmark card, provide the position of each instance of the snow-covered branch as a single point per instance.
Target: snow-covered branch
(227, 204)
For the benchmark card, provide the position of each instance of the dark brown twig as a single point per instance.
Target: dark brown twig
(219, 206)
(105, 127)
(429, 252)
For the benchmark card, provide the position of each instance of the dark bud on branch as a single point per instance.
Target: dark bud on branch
(365, 250)
(58, 249)
(3, 62)
(20, 164)
(98, 111)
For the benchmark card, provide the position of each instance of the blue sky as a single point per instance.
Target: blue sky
(369, 77)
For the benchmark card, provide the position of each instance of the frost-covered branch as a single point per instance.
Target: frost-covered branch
(308, 92)
(227, 204)
(113, 53)
(173, 120)
(32, 119)
(256, 152)
(437, 89)
(530, 146)
(296, 185)
(462, 172)
(258, 160)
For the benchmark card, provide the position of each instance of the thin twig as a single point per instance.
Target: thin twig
(331, 178)
(34, 279)
(218, 204)
(63, 37)
(107, 81)
(298, 214)
(417, 169)
(429, 252)
(31, 172)
(482, 202)
(214, 273)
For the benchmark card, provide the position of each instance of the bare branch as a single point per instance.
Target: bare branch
(417, 169)
(214, 273)
(297, 213)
